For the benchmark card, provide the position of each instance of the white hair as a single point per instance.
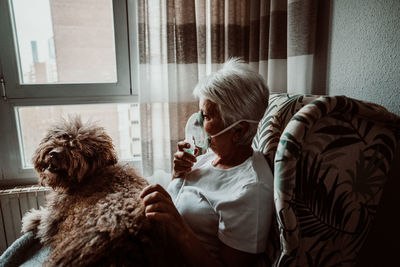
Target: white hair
(239, 92)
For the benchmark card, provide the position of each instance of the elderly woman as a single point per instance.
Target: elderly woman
(219, 205)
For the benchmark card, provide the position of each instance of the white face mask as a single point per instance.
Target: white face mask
(195, 134)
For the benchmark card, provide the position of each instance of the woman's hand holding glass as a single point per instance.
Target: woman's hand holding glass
(183, 161)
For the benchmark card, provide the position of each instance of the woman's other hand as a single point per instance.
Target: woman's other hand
(159, 207)
(183, 161)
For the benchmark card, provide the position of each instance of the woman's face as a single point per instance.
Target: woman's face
(213, 124)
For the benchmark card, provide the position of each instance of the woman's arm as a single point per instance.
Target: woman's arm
(159, 207)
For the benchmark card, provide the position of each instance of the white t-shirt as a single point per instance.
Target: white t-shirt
(233, 206)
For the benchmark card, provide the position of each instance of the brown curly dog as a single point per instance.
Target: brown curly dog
(94, 215)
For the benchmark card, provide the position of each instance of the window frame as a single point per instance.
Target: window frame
(17, 90)
(17, 95)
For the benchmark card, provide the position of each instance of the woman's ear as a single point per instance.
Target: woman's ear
(240, 131)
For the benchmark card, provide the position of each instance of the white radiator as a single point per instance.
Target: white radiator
(14, 204)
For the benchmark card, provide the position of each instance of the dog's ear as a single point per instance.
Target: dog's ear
(108, 156)
(103, 159)
(104, 152)
(112, 159)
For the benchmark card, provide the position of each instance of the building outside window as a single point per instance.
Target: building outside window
(66, 58)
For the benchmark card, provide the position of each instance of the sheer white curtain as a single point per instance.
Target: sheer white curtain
(168, 72)
(182, 40)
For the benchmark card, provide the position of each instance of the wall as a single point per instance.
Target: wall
(364, 63)
(364, 51)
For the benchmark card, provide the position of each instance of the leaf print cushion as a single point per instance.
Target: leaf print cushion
(331, 164)
(280, 110)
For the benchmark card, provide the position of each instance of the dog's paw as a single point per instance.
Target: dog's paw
(31, 220)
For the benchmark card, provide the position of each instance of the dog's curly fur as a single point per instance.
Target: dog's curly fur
(94, 215)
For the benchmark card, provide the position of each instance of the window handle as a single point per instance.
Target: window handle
(3, 88)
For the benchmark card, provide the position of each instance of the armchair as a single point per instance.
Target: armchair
(332, 162)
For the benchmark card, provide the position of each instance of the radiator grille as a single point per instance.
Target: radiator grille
(14, 204)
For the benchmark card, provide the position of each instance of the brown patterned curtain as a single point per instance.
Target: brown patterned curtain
(182, 40)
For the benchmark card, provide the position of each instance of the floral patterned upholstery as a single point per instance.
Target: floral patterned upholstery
(331, 165)
(280, 110)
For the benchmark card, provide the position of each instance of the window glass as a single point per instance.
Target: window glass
(121, 122)
(65, 41)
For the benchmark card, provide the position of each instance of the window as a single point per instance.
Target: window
(65, 57)
(121, 121)
(83, 34)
